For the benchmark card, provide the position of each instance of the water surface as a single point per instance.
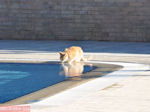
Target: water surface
(19, 79)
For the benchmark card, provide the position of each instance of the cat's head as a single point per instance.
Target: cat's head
(63, 56)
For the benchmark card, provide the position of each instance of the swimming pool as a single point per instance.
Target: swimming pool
(21, 79)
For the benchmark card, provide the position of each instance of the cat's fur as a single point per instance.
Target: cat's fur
(72, 54)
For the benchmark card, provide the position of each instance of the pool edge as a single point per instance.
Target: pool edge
(50, 101)
(71, 95)
(38, 94)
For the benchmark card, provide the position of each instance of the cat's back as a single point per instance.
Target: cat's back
(74, 51)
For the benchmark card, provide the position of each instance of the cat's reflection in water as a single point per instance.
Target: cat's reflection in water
(73, 70)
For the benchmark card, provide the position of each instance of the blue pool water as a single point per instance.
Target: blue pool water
(19, 79)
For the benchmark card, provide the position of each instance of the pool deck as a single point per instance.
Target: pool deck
(131, 94)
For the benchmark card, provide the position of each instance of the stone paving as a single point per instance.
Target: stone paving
(95, 50)
(129, 95)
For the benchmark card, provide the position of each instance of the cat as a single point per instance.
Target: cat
(72, 54)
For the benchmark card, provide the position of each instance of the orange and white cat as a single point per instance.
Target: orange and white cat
(72, 54)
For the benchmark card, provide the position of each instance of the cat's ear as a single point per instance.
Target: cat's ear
(61, 53)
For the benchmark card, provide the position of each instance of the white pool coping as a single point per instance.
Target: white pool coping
(83, 90)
